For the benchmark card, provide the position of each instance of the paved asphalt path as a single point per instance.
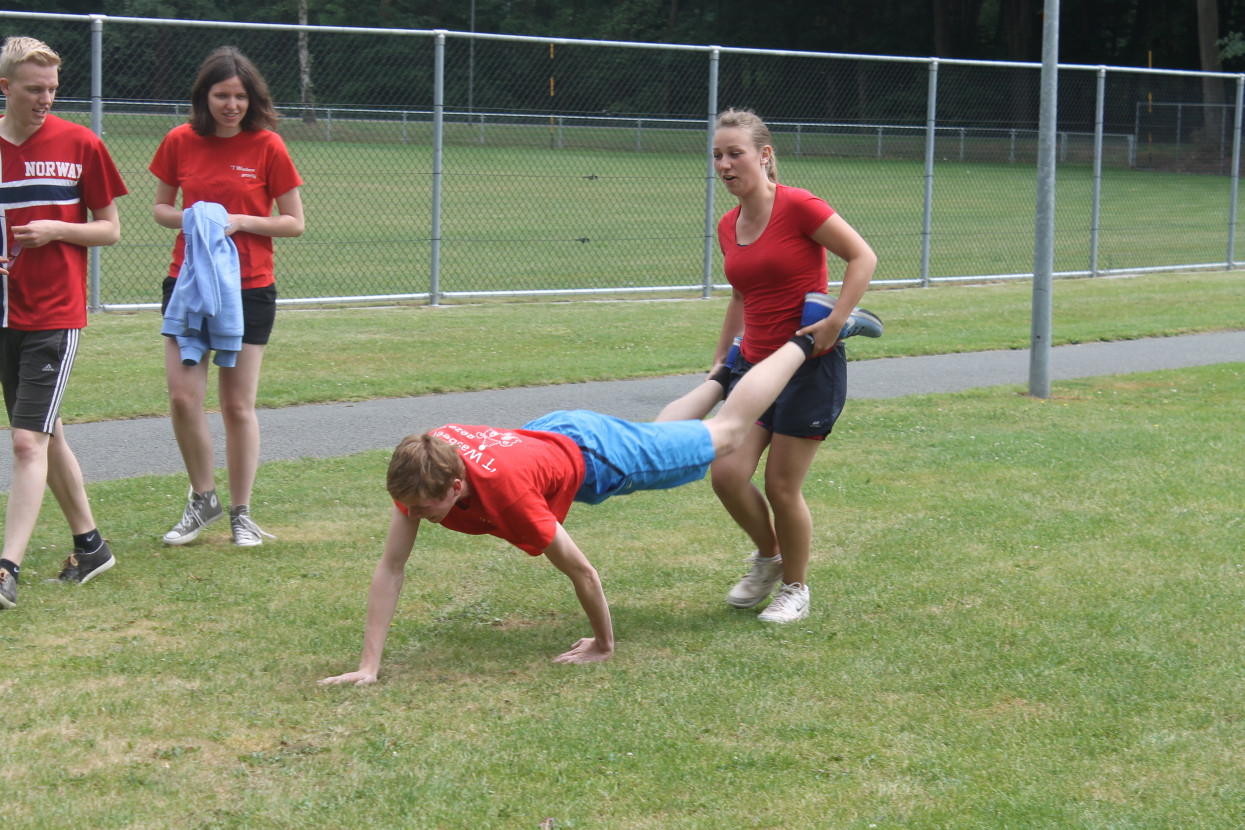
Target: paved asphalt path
(124, 449)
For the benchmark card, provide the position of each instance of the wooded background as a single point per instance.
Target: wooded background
(1204, 35)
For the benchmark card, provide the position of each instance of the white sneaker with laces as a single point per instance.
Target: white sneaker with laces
(789, 604)
(246, 534)
(758, 582)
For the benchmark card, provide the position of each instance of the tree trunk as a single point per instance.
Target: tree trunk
(1016, 20)
(1213, 95)
(955, 27)
(308, 99)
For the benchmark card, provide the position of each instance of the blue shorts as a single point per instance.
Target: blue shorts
(623, 456)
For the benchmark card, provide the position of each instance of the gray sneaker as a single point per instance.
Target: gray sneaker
(201, 511)
(789, 604)
(8, 589)
(758, 582)
(246, 534)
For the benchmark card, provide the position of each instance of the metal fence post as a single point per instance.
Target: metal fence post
(931, 120)
(438, 112)
(1094, 212)
(1179, 127)
(714, 59)
(1044, 223)
(97, 126)
(1236, 169)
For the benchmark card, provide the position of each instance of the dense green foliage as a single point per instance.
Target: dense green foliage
(1119, 32)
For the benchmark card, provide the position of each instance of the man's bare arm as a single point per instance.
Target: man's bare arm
(570, 560)
(382, 599)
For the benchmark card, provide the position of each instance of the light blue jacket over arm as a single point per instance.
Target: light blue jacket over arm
(205, 310)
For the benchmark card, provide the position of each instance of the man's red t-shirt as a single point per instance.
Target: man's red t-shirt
(522, 483)
(245, 173)
(62, 172)
(777, 270)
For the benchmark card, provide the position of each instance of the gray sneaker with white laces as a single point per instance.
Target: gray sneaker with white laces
(201, 510)
(246, 534)
(790, 603)
(758, 582)
(8, 589)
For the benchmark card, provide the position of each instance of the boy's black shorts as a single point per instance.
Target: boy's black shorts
(34, 371)
(811, 401)
(259, 311)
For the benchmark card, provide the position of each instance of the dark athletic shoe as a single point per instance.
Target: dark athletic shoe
(83, 567)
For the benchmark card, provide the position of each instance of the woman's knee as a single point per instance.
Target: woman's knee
(729, 475)
(237, 412)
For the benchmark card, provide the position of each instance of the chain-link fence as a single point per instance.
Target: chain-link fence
(441, 165)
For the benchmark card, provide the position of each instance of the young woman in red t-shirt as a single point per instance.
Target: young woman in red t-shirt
(774, 244)
(227, 154)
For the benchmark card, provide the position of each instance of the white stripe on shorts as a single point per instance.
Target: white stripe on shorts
(62, 378)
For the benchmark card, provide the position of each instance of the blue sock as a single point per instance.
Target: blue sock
(10, 567)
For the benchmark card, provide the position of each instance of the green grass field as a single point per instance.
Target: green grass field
(1027, 613)
(519, 215)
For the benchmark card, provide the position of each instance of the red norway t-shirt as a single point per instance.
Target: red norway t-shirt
(775, 272)
(61, 172)
(245, 173)
(522, 483)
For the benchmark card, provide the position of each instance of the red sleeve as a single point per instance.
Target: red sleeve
(529, 524)
(101, 182)
(282, 175)
(164, 165)
(809, 211)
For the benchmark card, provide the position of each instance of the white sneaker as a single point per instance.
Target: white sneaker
(758, 582)
(246, 534)
(789, 604)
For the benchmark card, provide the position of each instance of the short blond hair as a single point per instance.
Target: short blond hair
(423, 467)
(19, 50)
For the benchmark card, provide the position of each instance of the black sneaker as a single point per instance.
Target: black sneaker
(8, 589)
(83, 567)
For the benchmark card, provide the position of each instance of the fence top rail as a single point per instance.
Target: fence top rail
(672, 47)
(474, 115)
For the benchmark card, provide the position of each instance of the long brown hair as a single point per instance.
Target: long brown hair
(225, 63)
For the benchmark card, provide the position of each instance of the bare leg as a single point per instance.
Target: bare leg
(751, 396)
(65, 481)
(30, 474)
(732, 483)
(695, 404)
(785, 468)
(187, 393)
(239, 387)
